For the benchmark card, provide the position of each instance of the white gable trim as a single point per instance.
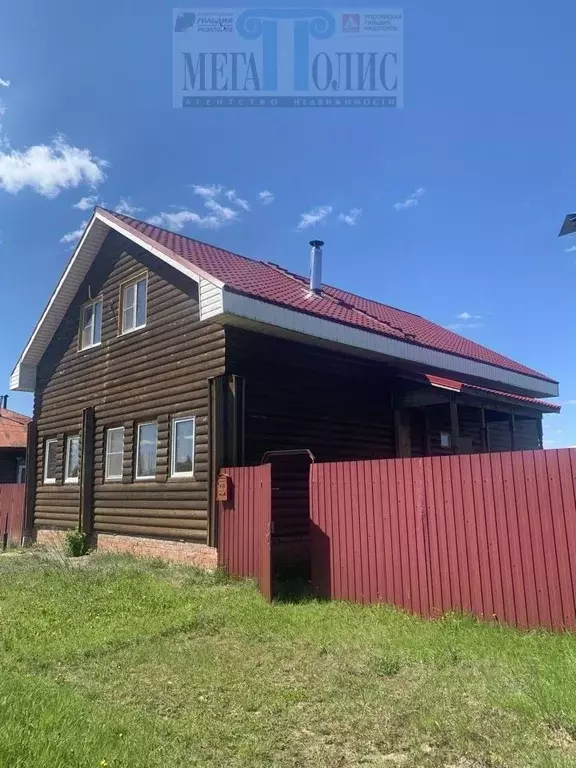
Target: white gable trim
(23, 378)
(394, 349)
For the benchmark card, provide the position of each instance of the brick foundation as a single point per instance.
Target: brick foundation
(199, 555)
(173, 551)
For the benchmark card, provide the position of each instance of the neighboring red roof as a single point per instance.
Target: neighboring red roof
(13, 429)
(457, 386)
(271, 283)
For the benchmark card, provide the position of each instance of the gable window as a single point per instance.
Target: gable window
(183, 439)
(72, 460)
(91, 324)
(114, 453)
(134, 304)
(146, 451)
(50, 460)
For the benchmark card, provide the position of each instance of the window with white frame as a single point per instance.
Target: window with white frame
(182, 454)
(146, 445)
(91, 324)
(50, 460)
(134, 304)
(114, 453)
(72, 471)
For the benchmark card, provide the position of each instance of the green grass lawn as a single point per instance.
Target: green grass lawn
(126, 663)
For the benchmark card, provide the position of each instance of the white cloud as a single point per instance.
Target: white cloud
(221, 212)
(178, 220)
(86, 203)
(4, 83)
(209, 191)
(315, 216)
(127, 207)
(467, 316)
(233, 197)
(73, 237)
(49, 169)
(572, 249)
(410, 202)
(266, 197)
(351, 218)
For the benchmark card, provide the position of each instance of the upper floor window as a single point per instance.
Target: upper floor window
(183, 447)
(50, 460)
(72, 459)
(91, 324)
(134, 304)
(146, 451)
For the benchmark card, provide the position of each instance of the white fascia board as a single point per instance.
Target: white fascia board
(337, 333)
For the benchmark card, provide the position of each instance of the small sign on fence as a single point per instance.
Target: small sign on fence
(224, 488)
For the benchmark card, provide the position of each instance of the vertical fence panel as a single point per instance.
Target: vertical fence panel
(12, 497)
(491, 534)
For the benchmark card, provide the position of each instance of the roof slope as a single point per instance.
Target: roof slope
(273, 284)
(13, 429)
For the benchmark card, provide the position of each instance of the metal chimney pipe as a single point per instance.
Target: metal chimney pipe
(316, 266)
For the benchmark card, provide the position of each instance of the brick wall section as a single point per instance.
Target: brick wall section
(186, 552)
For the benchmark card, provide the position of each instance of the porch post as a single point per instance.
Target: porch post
(484, 430)
(540, 433)
(455, 426)
(512, 431)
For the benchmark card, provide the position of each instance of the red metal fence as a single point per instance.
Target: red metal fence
(244, 525)
(490, 534)
(11, 514)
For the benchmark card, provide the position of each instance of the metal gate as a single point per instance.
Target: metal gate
(245, 524)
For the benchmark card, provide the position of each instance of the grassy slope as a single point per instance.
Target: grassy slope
(130, 664)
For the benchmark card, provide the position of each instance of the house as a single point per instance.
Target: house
(13, 435)
(160, 359)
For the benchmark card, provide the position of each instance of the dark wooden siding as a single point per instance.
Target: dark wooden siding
(298, 396)
(155, 373)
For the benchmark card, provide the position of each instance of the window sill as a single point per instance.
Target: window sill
(70, 482)
(132, 330)
(181, 478)
(49, 482)
(88, 348)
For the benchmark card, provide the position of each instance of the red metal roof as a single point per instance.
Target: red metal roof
(457, 386)
(13, 429)
(273, 284)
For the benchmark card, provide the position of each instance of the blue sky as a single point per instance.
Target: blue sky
(461, 192)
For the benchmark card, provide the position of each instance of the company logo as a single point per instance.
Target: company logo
(351, 22)
(280, 57)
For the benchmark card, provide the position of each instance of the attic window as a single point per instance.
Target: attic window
(134, 304)
(91, 324)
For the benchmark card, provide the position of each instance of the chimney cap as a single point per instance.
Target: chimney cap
(316, 243)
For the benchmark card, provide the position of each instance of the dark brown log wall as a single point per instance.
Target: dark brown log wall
(155, 373)
(298, 396)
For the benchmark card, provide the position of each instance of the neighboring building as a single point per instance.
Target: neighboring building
(160, 359)
(13, 435)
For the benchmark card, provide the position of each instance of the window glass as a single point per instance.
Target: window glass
(134, 305)
(114, 453)
(146, 458)
(91, 324)
(50, 464)
(183, 446)
(72, 460)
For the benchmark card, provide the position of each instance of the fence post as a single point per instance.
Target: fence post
(31, 480)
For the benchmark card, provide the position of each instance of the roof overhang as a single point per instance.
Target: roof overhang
(280, 321)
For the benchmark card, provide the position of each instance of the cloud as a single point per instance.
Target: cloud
(233, 197)
(127, 207)
(73, 237)
(266, 197)
(221, 212)
(572, 249)
(86, 203)
(351, 218)
(467, 321)
(178, 220)
(315, 216)
(410, 202)
(49, 169)
(210, 191)
(4, 83)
